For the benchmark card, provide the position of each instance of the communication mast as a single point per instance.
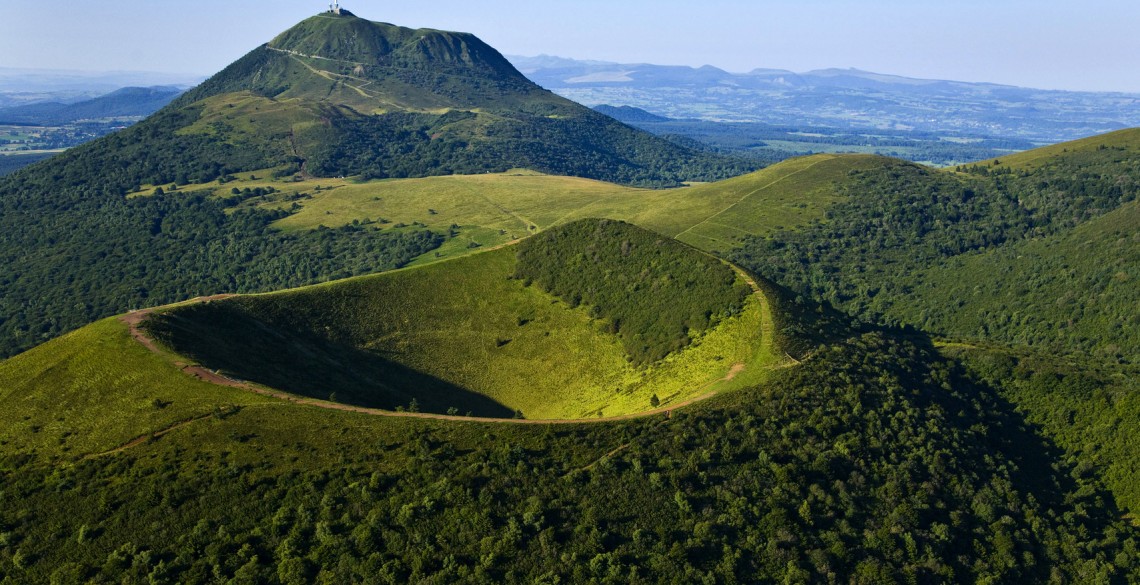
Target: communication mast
(335, 7)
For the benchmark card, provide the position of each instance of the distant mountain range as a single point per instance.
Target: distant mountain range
(20, 79)
(128, 102)
(838, 98)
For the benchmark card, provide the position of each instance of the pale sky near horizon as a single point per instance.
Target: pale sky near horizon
(1091, 46)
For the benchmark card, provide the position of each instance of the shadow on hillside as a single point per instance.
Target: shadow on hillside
(221, 336)
(1038, 466)
(1063, 485)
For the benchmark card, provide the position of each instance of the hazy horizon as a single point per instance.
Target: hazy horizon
(1046, 44)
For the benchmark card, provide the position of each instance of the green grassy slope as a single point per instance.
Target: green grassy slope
(783, 196)
(491, 209)
(458, 334)
(95, 389)
(496, 208)
(708, 216)
(1127, 140)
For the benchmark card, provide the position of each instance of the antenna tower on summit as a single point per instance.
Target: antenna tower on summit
(334, 7)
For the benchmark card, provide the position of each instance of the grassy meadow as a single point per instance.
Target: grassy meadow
(497, 208)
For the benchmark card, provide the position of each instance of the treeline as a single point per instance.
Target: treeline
(655, 293)
(904, 233)
(69, 262)
(875, 461)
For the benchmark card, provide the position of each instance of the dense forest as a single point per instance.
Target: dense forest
(13, 162)
(653, 292)
(875, 461)
(591, 146)
(65, 266)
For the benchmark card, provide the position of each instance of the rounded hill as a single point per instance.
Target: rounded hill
(551, 329)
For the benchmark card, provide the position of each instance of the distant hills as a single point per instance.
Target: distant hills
(128, 102)
(629, 114)
(27, 83)
(839, 98)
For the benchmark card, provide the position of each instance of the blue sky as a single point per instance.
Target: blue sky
(1090, 45)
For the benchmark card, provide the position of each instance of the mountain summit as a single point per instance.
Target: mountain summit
(376, 67)
(340, 95)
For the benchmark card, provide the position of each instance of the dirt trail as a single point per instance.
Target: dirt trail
(746, 196)
(134, 318)
(147, 437)
(611, 453)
